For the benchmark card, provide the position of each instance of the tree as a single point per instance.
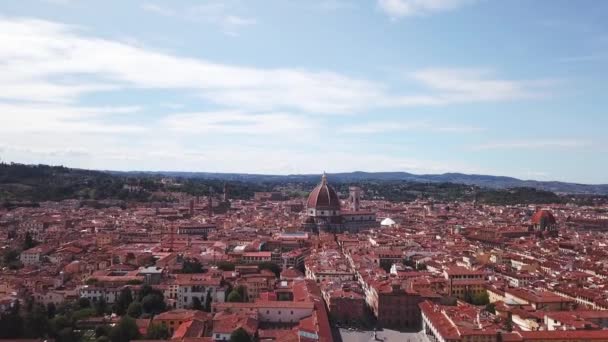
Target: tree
(242, 290)
(196, 304)
(157, 332)
(153, 303)
(11, 324)
(36, 322)
(103, 330)
(491, 307)
(235, 296)
(125, 331)
(240, 335)
(84, 303)
(135, 309)
(51, 310)
(271, 266)
(225, 266)
(10, 256)
(28, 242)
(192, 266)
(101, 306)
(208, 301)
(481, 298)
(68, 335)
(124, 299)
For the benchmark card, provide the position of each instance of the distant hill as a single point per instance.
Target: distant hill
(486, 181)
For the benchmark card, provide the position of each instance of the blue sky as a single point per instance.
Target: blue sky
(513, 88)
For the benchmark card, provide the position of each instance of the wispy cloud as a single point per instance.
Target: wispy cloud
(235, 122)
(397, 9)
(583, 58)
(219, 14)
(534, 144)
(398, 126)
(55, 51)
(158, 9)
(336, 5)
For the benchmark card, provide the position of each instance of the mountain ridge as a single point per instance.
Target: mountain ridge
(489, 181)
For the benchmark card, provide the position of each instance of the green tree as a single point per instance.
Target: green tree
(101, 306)
(242, 290)
(196, 304)
(481, 298)
(225, 266)
(103, 330)
(124, 299)
(271, 266)
(29, 242)
(240, 335)
(157, 332)
(125, 331)
(234, 296)
(84, 302)
(36, 322)
(153, 303)
(10, 256)
(68, 335)
(208, 301)
(135, 309)
(11, 323)
(192, 266)
(51, 310)
(59, 323)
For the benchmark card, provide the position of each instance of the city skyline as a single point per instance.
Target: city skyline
(484, 87)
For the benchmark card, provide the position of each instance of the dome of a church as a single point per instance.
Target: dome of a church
(323, 197)
(543, 215)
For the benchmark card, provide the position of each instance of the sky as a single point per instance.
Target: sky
(515, 88)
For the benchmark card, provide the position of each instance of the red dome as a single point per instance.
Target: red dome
(543, 214)
(323, 197)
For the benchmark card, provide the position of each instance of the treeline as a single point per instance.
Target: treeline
(38, 183)
(30, 184)
(66, 323)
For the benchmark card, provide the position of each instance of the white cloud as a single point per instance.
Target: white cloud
(398, 126)
(402, 8)
(19, 118)
(38, 54)
(534, 144)
(336, 5)
(477, 85)
(234, 122)
(220, 14)
(158, 9)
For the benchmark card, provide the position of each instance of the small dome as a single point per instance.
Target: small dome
(323, 197)
(543, 215)
(387, 222)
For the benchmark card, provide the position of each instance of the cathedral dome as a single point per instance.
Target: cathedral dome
(543, 215)
(323, 197)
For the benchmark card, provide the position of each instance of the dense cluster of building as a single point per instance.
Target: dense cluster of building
(456, 271)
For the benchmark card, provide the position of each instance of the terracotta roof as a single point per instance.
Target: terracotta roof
(323, 196)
